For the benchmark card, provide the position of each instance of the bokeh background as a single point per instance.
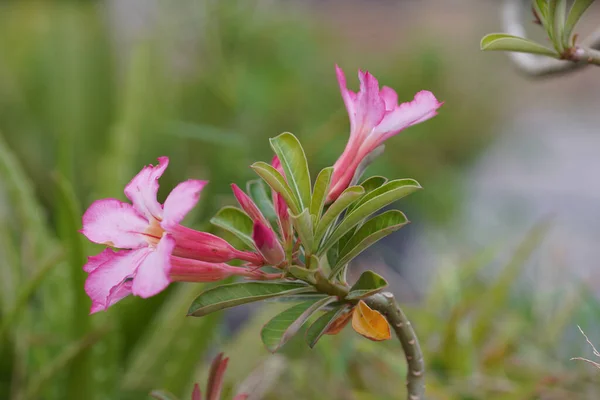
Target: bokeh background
(496, 271)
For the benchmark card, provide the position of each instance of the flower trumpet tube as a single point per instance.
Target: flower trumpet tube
(375, 116)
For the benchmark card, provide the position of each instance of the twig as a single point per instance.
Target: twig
(596, 353)
(387, 305)
(541, 66)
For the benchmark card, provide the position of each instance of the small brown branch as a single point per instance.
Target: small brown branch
(586, 53)
(415, 379)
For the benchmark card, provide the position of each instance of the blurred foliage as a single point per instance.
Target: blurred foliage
(87, 98)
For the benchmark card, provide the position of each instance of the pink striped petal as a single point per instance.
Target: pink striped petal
(152, 276)
(111, 273)
(421, 108)
(348, 96)
(180, 201)
(119, 292)
(370, 107)
(114, 223)
(390, 98)
(95, 261)
(143, 188)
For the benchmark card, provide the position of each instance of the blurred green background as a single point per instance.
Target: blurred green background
(90, 91)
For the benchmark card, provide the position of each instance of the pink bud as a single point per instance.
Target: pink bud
(248, 204)
(267, 244)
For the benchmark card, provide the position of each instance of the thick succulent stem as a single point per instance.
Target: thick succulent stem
(387, 305)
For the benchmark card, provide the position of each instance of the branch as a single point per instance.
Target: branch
(387, 305)
(540, 66)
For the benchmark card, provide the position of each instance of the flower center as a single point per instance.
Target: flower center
(154, 232)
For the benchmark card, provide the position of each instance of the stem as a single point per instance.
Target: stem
(387, 305)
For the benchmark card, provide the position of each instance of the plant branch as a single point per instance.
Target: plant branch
(540, 66)
(386, 304)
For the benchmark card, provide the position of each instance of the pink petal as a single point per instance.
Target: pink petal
(152, 276)
(241, 396)
(248, 205)
(114, 223)
(119, 292)
(370, 107)
(348, 96)
(390, 98)
(99, 259)
(111, 273)
(267, 244)
(421, 108)
(180, 201)
(143, 188)
(276, 163)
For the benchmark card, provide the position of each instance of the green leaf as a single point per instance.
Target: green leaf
(369, 184)
(277, 182)
(348, 196)
(320, 192)
(552, 4)
(293, 160)
(234, 220)
(505, 42)
(258, 192)
(231, 295)
(373, 230)
(285, 325)
(368, 284)
(575, 13)
(560, 15)
(379, 198)
(320, 326)
(304, 227)
(541, 8)
(377, 191)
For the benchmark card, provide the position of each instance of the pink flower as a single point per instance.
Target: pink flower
(375, 116)
(159, 248)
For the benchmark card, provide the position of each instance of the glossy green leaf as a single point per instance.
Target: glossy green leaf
(505, 42)
(277, 182)
(318, 328)
(320, 192)
(235, 221)
(575, 13)
(552, 5)
(541, 9)
(293, 160)
(303, 225)
(369, 184)
(368, 284)
(373, 230)
(379, 198)
(560, 16)
(231, 295)
(258, 193)
(285, 325)
(348, 196)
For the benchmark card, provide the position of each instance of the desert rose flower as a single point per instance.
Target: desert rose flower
(156, 249)
(375, 116)
(143, 223)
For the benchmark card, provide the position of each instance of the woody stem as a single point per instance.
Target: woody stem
(386, 304)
